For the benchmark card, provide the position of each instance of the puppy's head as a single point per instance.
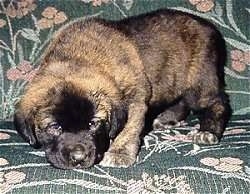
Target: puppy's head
(80, 136)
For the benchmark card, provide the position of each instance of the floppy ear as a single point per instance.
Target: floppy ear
(25, 127)
(118, 119)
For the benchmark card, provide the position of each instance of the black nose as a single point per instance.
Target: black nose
(81, 156)
(77, 156)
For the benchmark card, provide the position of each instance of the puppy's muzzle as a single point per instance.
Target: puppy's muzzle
(72, 150)
(82, 155)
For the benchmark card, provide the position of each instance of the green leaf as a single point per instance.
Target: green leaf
(242, 111)
(10, 91)
(237, 44)
(248, 10)
(234, 75)
(218, 9)
(229, 7)
(11, 61)
(20, 52)
(30, 35)
(1, 54)
(1, 81)
(247, 170)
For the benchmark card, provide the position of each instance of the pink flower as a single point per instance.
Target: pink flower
(23, 71)
(8, 179)
(49, 12)
(20, 8)
(247, 57)
(3, 162)
(227, 164)
(50, 17)
(4, 136)
(14, 177)
(240, 59)
(210, 161)
(2, 23)
(203, 5)
(99, 2)
(96, 2)
(228, 167)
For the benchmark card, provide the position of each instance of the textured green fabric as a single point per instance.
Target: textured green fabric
(168, 162)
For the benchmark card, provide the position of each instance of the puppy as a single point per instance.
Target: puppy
(98, 79)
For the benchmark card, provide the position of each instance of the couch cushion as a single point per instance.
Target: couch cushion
(168, 162)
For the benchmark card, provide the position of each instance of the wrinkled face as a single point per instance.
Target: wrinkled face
(78, 149)
(77, 136)
(71, 150)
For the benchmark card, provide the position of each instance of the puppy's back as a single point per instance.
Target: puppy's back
(179, 51)
(176, 50)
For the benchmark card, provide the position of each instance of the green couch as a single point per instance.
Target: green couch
(168, 161)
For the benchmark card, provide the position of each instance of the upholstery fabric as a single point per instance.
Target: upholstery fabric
(168, 161)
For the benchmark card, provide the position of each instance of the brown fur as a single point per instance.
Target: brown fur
(162, 58)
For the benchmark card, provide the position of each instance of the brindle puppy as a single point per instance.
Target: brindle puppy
(98, 79)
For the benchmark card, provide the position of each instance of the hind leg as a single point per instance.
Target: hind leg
(213, 118)
(172, 116)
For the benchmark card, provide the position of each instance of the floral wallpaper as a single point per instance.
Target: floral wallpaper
(168, 161)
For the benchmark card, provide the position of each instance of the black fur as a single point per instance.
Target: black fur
(25, 128)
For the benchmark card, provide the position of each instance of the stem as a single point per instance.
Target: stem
(217, 19)
(35, 46)
(20, 88)
(10, 31)
(33, 51)
(5, 46)
(117, 6)
(14, 40)
(11, 36)
(18, 83)
(43, 45)
(238, 92)
(10, 98)
(27, 165)
(225, 175)
(121, 182)
(2, 89)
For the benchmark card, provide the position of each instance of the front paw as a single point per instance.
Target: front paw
(204, 137)
(117, 160)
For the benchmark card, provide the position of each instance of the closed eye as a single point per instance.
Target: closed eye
(95, 124)
(54, 129)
